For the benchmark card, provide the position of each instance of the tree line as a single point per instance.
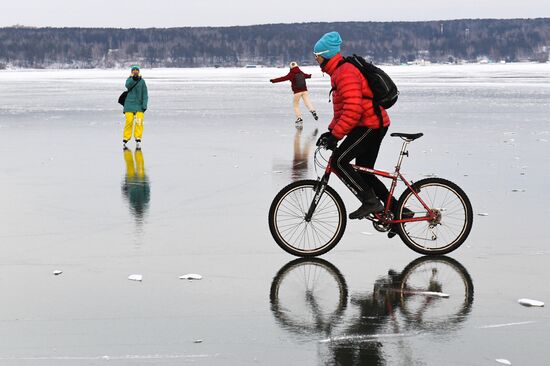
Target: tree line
(275, 44)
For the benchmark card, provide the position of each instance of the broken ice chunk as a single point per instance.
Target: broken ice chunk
(435, 294)
(518, 190)
(191, 276)
(198, 341)
(57, 272)
(366, 233)
(529, 302)
(483, 214)
(503, 361)
(135, 277)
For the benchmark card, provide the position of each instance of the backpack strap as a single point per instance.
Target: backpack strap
(133, 86)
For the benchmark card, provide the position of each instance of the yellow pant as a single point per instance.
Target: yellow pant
(138, 130)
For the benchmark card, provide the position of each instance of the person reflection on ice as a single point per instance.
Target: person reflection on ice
(301, 154)
(135, 187)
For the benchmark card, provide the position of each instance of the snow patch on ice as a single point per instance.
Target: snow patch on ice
(135, 277)
(191, 276)
(530, 302)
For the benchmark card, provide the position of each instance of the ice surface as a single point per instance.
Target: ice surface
(66, 200)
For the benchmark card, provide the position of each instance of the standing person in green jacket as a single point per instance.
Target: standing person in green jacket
(135, 106)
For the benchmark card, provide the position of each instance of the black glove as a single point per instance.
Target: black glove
(332, 143)
(322, 139)
(328, 141)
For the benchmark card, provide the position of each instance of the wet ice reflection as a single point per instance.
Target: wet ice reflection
(310, 297)
(302, 146)
(135, 186)
(302, 150)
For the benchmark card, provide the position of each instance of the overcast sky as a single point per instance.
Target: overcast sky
(172, 13)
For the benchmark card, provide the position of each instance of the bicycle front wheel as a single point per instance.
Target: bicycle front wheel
(295, 234)
(451, 225)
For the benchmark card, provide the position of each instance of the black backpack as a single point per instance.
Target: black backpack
(300, 80)
(383, 88)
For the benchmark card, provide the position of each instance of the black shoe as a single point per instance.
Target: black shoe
(315, 116)
(124, 142)
(366, 209)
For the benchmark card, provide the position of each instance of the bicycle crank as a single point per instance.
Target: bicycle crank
(379, 221)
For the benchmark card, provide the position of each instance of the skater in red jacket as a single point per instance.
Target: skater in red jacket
(298, 82)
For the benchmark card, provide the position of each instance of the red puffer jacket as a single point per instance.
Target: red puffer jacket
(292, 76)
(351, 108)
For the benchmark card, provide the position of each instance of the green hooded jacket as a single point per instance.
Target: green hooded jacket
(137, 98)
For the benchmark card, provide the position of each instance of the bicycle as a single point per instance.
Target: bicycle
(307, 218)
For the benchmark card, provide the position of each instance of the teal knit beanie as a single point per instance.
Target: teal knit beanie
(329, 45)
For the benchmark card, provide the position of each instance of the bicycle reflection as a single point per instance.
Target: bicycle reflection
(310, 297)
(135, 186)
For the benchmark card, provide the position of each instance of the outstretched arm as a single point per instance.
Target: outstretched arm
(282, 78)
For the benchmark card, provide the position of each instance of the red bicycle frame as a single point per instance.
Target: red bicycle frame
(395, 176)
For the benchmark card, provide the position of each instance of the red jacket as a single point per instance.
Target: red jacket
(351, 108)
(291, 76)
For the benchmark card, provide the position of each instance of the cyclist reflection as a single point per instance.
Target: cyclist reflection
(136, 187)
(401, 303)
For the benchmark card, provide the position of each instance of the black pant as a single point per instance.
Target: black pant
(361, 144)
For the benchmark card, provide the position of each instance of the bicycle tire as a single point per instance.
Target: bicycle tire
(283, 314)
(317, 244)
(445, 323)
(463, 203)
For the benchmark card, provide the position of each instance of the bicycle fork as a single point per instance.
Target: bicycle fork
(319, 190)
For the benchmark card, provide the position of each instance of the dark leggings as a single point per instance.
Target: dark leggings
(361, 144)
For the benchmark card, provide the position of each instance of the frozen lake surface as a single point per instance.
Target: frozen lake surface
(218, 145)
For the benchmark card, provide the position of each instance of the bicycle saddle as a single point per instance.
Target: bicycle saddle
(408, 136)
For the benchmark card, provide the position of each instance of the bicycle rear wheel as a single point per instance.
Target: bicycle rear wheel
(448, 230)
(303, 238)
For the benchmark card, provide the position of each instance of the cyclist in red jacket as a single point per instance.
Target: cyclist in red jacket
(298, 80)
(355, 119)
